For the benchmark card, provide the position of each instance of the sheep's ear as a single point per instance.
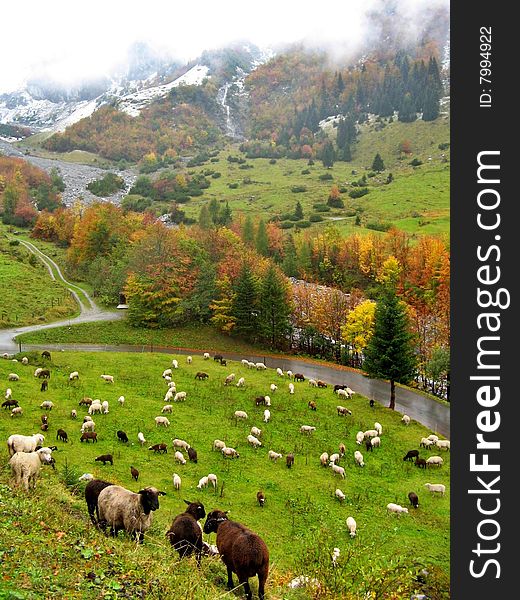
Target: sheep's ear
(187, 501)
(162, 493)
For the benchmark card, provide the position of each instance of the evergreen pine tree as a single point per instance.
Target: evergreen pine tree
(328, 155)
(298, 211)
(262, 241)
(431, 105)
(390, 352)
(378, 164)
(407, 113)
(225, 215)
(275, 311)
(214, 209)
(289, 263)
(204, 217)
(244, 305)
(248, 233)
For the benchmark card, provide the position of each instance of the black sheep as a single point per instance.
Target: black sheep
(10, 403)
(218, 357)
(104, 458)
(192, 454)
(371, 403)
(411, 454)
(421, 463)
(260, 496)
(414, 499)
(122, 437)
(135, 473)
(368, 446)
(338, 387)
(46, 354)
(185, 534)
(44, 385)
(61, 434)
(159, 448)
(242, 551)
(44, 374)
(92, 491)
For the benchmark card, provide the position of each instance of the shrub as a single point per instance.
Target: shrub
(444, 146)
(416, 162)
(343, 189)
(325, 176)
(321, 207)
(379, 225)
(216, 175)
(298, 189)
(335, 202)
(286, 225)
(233, 186)
(315, 218)
(302, 224)
(272, 161)
(305, 172)
(107, 185)
(358, 193)
(214, 160)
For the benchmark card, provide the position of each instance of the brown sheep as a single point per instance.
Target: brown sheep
(185, 533)
(299, 377)
(289, 460)
(85, 402)
(242, 551)
(46, 354)
(135, 473)
(260, 496)
(421, 463)
(321, 384)
(10, 403)
(159, 448)
(88, 435)
(44, 374)
(61, 434)
(201, 375)
(312, 405)
(104, 458)
(44, 386)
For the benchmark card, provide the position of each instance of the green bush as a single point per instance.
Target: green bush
(272, 161)
(416, 162)
(379, 225)
(315, 218)
(305, 172)
(336, 202)
(325, 177)
(321, 207)
(286, 225)
(233, 186)
(302, 224)
(298, 189)
(107, 185)
(216, 175)
(358, 193)
(444, 146)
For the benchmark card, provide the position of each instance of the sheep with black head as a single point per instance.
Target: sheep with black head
(242, 551)
(185, 533)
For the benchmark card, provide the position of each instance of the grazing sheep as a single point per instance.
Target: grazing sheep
(240, 414)
(162, 422)
(37, 371)
(176, 481)
(47, 405)
(201, 375)
(299, 377)
(44, 386)
(121, 400)
(8, 393)
(192, 454)
(375, 442)
(241, 382)
(73, 376)
(313, 383)
(73, 414)
(104, 458)
(396, 508)
(108, 378)
(351, 526)
(10, 403)
(337, 387)
(289, 460)
(203, 482)
(95, 408)
(267, 415)
(88, 435)
(120, 508)
(343, 392)
(342, 449)
(321, 384)
(255, 442)
(24, 443)
(167, 373)
(251, 365)
(414, 499)
(92, 491)
(17, 411)
(228, 452)
(312, 405)
(175, 364)
(218, 357)
(308, 429)
(334, 556)
(370, 433)
(180, 397)
(267, 400)
(212, 478)
(141, 439)
(179, 457)
(104, 405)
(242, 551)
(379, 428)
(189, 359)
(13, 377)
(134, 473)
(260, 400)
(434, 460)
(405, 419)
(218, 445)
(339, 495)
(273, 387)
(337, 470)
(434, 438)
(229, 379)
(342, 411)
(245, 362)
(25, 466)
(167, 408)
(185, 533)
(274, 456)
(46, 354)
(85, 402)
(443, 444)
(61, 434)
(206, 355)
(371, 403)
(161, 448)
(121, 436)
(411, 454)
(426, 443)
(291, 388)
(260, 498)
(279, 372)
(439, 488)
(88, 426)
(334, 458)
(358, 457)
(86, 477)
(260, 366)
(289, 374)
(420, 462)
(324, 459)
(360, 436)
(256, 432)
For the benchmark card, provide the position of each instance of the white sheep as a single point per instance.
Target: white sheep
(176, 481)
(360, 436)
(120, 508)
(229, 379)
(274, 456)
(175, 364)
(24, 443)
(245, 362)
(104, 405)
(334, 458)
(342, 411)
(219, 445)
(108, 378)
(178, 456)
(121, 400)
(335, 555)
(16, 411)
(313, 383)
(203, 482)
(240, 414)
(436, 488)
(255, 442)
(88, 426)
(358, 457)
(370, 433)
(25, 466)
(86, 477)
(241, 382)
(273, 387)
(169, 395)
(324, 459)
(25, 360)
(95, 408)
(167, 408)
(443, 444)
(256, 432)
(267, 415)
(8, 393)
(279, 371)
(289, 374)
(434, 460)
(212, 478)
(13, 377)
(180, 397)
(189, 359)
(229, 452)
(172, 386)
(339, 495)
(337, 469)
(396, 508)
(291, 388)
(206, 355)
(375, 442)
(267, 400)
(406, 419)
(426, 443)
(141, 439)
(38, 371)
(349, 392)
(251, 365)
(167, 378)
(177, 443)
(379, 428)
(351, 526)
(308, 429)
(434, 438)
(162, 422)
(260, 366)
(73, 414)
(47, 405)
(73, 376)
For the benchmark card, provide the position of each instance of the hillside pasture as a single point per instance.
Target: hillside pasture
(302, 521)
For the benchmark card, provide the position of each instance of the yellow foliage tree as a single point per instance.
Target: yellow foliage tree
(359, 328)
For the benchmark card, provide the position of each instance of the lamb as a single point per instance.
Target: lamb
(289, 460)
(88, 426)
(16, 411)
(256, 432)
(255, 442)
(176, 481)
(443, 444)
(342, 449)
(339, 495)
(240, 414)
(434, 460)
(108, 378)
(24, 443)
(337, 469)
(379, 428)
(179, 457)
(342, 411)
(88, 435)
(420, 462)
(161, 448)
(260, 400)
(162, 422)
(312, 405)
(334, 458)
(289, 374)
(140, 438)
(228, 452)
(411, 454)
(25, 466)
(414, 499)
(47, 405)
(121, 436)
(219, 445)
(121, 400)
(201, 375)
(134, 473)
(396, 508)
(313, 383)
(180, 397)
(167, 408)
(120, 508)
(260, 498)
(212, 478)
(73, 376)
(279, 371)
(192, 454)
(73, 414)
(61, 434)
(360, 436)
(229, 379)
(351, 526)
(104, 458)
(189, 359)
(274, 456)
(13, 377)
(241, 382)
(273, 387)
(436, 488)
(308, 429)
(267, 415)
(175, 364)
(358, 457)
(203, 482)
(405, 419)
(104, 405)
(242, 551)
(291, 388)
(185, 533)
(44, 386)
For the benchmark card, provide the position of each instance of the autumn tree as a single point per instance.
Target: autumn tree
(358, 329)
(222, 306)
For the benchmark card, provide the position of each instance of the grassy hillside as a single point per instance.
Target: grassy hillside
(301, 523)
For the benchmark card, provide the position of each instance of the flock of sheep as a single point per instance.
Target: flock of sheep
(116, 508)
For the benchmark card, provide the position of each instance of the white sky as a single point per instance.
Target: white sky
(69, 40)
